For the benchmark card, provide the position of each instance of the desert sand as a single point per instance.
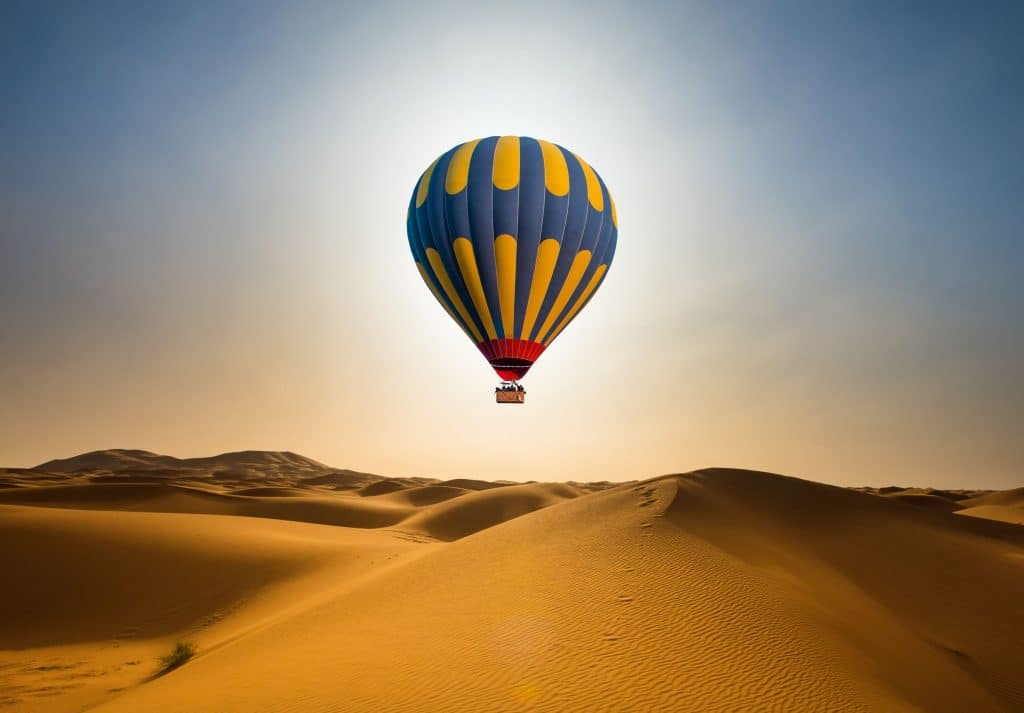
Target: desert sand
(309, 588)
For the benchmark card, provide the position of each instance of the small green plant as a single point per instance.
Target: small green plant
(182, 652)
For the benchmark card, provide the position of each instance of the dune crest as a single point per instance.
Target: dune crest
(714, 590)
(118, 459)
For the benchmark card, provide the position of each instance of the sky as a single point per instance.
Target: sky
(821, 235)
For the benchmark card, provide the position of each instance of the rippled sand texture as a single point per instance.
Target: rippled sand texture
(718, 590)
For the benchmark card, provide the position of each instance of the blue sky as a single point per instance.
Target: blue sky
(202, 210)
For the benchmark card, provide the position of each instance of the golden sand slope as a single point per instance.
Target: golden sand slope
(1004, 505)
(717, 590)
(1002, 513)
(1007, 506)
(457, 517)
(91, 598)
(327, 509)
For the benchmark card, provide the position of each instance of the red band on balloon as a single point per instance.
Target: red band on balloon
(511, 358)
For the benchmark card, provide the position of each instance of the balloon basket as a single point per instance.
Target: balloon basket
(509, 392)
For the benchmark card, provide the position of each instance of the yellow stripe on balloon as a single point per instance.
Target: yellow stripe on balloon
(505, 262)
(471, 276)
(615, 216)
(437, 296)
(579, 266)
(506, 163)
(458, 169)
(556, 172)
(591, 286)
(442, 276)
(547, 256)
(424, 187)
(594, 194)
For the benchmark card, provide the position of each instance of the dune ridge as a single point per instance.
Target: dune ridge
(1003, 506)
(120, 459)
(438, 511)
(719, 589)
(240, 469)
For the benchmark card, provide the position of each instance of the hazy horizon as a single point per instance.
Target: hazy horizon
(202, 230)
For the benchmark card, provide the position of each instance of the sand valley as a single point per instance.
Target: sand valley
(309, 588)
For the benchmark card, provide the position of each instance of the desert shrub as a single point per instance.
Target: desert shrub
(182, 652)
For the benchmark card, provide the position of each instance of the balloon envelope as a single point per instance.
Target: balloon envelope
(513, 236)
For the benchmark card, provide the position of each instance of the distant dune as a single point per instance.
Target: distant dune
(118, 460)
(227, 469)
(1006, 506)
(312, 588)
(1006, 498)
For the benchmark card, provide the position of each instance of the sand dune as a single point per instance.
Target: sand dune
(28, 477)
(228, 470)
(425, 495)
(478, 510)
(470, 484)
(1006, 498)
(112, 459)
(275, 492)
(1002, 513)
(720, 590)
(164, 497)
(715, 590)
(91, 598)
(1005, 506)
(117, 460)
(90, 572)
(927, 500)
(382, 487)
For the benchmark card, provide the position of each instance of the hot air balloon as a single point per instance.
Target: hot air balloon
(513, 236)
